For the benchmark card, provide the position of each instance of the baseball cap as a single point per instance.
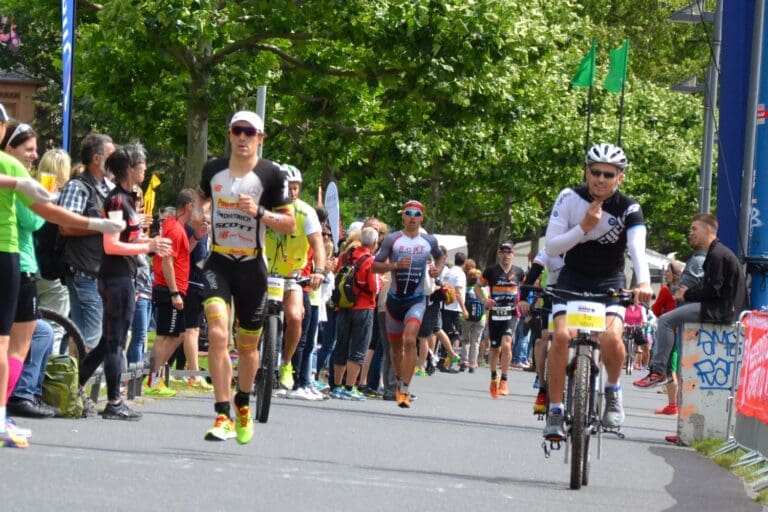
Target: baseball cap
(252, 118)
(4, 118)
(413, 204)
(506, 246)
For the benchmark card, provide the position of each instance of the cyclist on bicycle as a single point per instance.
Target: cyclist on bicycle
(593, 225)
(247, 195)
(287, 255)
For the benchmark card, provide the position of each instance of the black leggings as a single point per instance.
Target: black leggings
(119, 299)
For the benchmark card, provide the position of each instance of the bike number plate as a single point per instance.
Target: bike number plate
(586, 316)
(275, 287)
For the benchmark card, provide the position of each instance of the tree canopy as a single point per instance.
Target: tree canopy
(462, 104)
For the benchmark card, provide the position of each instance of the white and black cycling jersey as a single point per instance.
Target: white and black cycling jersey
(600, 252)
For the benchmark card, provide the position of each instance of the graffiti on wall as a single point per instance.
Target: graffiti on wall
(715, 367)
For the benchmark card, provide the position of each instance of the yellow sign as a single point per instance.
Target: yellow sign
(587, 316)
(149, 194)
(275, 287)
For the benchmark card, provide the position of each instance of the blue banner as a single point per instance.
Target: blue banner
(758, 228)
(67, 57)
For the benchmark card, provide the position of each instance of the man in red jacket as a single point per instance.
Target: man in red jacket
(354, 325)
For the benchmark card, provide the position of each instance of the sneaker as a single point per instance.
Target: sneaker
(286, 376)
(281, 393)
(337, 393)
(355, 394)
(540, 405)
(159, 389)
(199, 384)
(504, 388)
(555, 428)
(420, 372)
(9, 439)
(613, 414)
(471, 369)
(463, 367)
(319, 395)
(403, 399)
(223, 428)
(520, 366)
(651, 380)
(671, 439)
(243, 424)
(494, 388)
(320, 385)
(669, 409)
(297, 394)
(368, 392)
(120, 411)
(12, 427)
(389, 396)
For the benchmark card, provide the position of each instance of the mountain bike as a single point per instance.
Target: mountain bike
(271, 342)
(72, 342)
(584, 379)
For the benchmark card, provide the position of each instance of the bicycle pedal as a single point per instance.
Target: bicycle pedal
(615, 431)
(547, 451)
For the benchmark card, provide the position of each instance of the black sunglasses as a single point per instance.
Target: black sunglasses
(607, 174)
(249, 131)
(327, 234)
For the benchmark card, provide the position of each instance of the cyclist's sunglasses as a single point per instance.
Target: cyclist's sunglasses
(412, 213)
(607, 174)
(249, 131)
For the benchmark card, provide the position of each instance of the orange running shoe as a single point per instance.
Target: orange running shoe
(405, 403)
(494, 388)
(503, 388)
(540, 406)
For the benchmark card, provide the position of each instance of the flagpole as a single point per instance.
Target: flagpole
(589, 118)
(623, 85)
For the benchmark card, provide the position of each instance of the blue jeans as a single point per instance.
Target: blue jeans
(86, 307)
(139, 329)
(520, 350)
(329, 342)
(303, 355)
(30, 382)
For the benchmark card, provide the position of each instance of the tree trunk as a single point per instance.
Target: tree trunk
(197, 144)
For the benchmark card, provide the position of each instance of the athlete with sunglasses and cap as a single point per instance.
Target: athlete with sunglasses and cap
(592, 226)
(247, 195)
(407, 254)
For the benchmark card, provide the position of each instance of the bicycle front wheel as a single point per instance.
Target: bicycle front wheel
(266, 374)
(579, 418)
(72, 342)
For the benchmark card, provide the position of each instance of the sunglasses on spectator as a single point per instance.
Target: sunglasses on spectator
(327, 234)
(505, 251)
(606, 174)
(413, 213)
(249, 131)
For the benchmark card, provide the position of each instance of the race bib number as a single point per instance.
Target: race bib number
(586, 316)
(275, 288)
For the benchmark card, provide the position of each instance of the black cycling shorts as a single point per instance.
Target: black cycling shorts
(193, 306)
(432, 320)
(27, 305)
(9, 290)
(497, 330)
(243, 281)
(576, 282)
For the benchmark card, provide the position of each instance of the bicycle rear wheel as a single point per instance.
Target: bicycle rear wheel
(72, 342)
(579, 418)
(629, 344)
(266, 374)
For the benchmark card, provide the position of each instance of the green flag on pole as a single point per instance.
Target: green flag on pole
(617, 72)
(586, 73)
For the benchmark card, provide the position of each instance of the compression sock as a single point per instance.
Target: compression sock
(222, 408)
(242, 398)
(348, 388)
(15, 366)
(494, 375)
(503, 376)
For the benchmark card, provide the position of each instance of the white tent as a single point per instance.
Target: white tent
(454, 244)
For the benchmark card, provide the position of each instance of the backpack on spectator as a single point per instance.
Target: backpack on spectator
(344, 293)
(475, 308)
(61, 387)
(49, 250)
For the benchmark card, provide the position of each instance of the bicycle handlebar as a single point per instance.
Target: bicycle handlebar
(625, 297)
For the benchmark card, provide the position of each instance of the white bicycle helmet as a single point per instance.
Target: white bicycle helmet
(294, 175)
(607, 154)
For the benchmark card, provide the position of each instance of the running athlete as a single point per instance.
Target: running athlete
(503, 281)
(247, 195)
(406, 254)
(593, 225)
(287, 255)
(552, 265)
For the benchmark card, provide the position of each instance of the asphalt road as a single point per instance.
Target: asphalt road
(456, 449)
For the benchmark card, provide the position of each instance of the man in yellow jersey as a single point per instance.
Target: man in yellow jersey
(287, 255)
